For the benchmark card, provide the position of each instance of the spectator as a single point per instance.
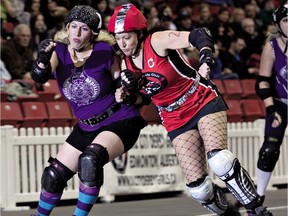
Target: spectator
(266, 12)
(8, 19)
(237, 16)
(5, 76)
(220, 3)
(205, 17)
(166, 17)
(254, 39)
(218, 72)
(233, 60)
(184, 21)
(16, 55)
(221, 28)
(33, 7)
(54, 12)
(251, 12)
(152, 16)
(38, 29)
(106, 21)
(103, 7)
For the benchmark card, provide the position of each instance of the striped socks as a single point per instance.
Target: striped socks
(47, 202)
(86, 199)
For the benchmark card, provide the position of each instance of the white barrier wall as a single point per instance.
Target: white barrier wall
(149, 167)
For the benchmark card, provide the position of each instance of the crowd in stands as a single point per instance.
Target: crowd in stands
(239, 29)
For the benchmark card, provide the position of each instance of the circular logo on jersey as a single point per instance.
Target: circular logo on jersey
(81, 88)
(151, 83)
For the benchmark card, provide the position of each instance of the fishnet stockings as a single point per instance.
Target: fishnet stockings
(191, 147)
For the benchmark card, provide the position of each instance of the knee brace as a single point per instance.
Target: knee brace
(208, 195)
(269, 154)
(91, 163)
(54, 178)
(227, 167)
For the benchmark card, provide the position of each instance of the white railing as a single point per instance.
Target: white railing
(24, 154)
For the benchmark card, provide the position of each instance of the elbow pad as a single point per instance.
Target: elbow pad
(201, 37)
(40, 75)
(263, 93)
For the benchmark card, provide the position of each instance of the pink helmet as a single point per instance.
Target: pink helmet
(127, 18)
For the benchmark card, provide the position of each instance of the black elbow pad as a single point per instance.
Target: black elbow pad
(263, 93)
(201, 37)
(40, 75)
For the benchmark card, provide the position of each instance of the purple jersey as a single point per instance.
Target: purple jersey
(281, 71)
(90, 88)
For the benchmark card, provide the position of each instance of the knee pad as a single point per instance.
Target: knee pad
(208, 195)
(269, 154)
(54, 178)
(91, 163)
(223, 163)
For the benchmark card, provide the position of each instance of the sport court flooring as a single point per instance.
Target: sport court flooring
(166, 204)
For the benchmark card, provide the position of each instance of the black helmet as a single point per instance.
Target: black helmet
(87, 15)
(280, 13)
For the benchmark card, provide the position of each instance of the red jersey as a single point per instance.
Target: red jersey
(166, 79)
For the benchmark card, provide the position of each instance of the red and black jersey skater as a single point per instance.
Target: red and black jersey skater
(192, 109)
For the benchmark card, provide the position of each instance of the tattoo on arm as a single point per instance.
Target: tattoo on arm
(177, 34)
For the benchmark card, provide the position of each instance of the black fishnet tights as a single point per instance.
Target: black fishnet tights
(191, 147)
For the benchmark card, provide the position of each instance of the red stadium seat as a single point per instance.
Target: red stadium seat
(59, 114)
(150, 114)
(35, 114)
(251, 109)
(233, 89)
(220, 86)
(49, 91)
(11, 114)
(235, 113)
(248, 86)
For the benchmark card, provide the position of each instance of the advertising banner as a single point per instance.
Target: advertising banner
(150, 166)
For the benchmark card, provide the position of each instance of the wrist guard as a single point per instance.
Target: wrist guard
(201, 37)
(271, 110)
(40, 75)
(207, 57)
(118, 82)
(130, 99)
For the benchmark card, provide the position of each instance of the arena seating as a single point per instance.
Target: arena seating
(248, 86)
(59, 114)
(50, 110)
(251, 109)
(233, 89)
(11, 114)
(49, 91)
(34, 114)
(235, 113)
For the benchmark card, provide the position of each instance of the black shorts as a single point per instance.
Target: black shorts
(216, 105)
(128, 130)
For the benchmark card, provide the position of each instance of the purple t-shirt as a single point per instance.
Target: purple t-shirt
(281, 71)
(90, 88)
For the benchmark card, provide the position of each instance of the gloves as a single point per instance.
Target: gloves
(44, 56)
(128, 79)
(206, 56)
